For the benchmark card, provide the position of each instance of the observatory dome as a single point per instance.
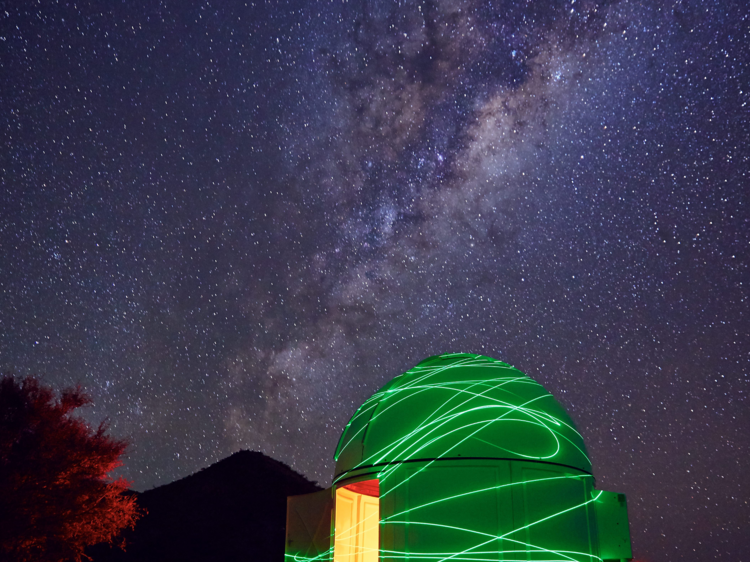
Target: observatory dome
(460, 406)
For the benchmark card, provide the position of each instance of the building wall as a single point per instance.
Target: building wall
(487, 510)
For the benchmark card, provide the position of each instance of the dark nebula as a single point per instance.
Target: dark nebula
(232, 222)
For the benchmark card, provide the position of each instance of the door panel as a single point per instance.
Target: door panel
(357, 527)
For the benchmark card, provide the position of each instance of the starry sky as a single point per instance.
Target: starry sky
(233, 221)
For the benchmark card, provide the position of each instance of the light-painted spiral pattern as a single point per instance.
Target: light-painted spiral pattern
(475, 461)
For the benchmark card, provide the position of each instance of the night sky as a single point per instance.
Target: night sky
(233, 222)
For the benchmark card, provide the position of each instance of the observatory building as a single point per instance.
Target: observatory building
(462, 458)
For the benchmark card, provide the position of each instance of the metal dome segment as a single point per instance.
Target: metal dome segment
(460, 406)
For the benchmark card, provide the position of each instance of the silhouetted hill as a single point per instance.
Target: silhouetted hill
(232, 510)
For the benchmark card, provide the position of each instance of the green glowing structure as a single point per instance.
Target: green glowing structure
(462, 458)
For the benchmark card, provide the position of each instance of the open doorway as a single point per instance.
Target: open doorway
(357, 529)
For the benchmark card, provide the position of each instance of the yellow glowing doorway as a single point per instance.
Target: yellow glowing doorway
(357, 537)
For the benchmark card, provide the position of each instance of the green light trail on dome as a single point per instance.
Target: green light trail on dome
(493, 488)
(473, 461)
(327, 555)
(409, 444)
(458, 555)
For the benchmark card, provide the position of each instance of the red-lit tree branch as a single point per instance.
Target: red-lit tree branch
(56, 496)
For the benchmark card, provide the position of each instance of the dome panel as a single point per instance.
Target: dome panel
(460, 406)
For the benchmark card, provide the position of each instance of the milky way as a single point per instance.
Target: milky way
(233, 222)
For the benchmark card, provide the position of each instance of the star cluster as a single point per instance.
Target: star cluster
(233, 221)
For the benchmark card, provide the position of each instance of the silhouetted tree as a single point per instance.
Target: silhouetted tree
(56, 497)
